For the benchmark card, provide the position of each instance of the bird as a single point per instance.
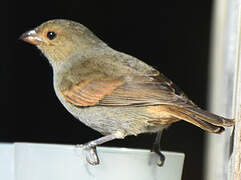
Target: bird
(112, 92)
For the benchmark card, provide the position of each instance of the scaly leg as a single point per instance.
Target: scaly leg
(157, 149)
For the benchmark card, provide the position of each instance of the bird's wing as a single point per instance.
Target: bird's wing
(142, 91)
(90, 92)
(97, 87)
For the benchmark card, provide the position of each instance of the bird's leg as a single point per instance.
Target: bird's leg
(92, 146)
(157, 149)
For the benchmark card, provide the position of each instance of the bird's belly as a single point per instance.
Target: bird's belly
(107, 120)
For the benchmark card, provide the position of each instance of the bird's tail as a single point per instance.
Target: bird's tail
(201, 118)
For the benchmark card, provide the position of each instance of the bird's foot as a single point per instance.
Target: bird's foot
(92, 158)
(156, 149)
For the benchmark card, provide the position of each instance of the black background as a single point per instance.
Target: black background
(172, 36)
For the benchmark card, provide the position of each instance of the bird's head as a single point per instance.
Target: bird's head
(59, 39)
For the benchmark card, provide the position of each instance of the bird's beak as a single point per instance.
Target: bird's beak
(31, 37)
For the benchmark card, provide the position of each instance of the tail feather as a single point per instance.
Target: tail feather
(209, 117)
(198, 117)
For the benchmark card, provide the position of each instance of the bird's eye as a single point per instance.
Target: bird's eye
(51, 35)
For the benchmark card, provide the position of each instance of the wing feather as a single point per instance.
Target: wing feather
(120, 93)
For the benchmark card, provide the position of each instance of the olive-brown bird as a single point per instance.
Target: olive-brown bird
(114, 93)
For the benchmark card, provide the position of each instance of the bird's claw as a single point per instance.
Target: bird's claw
(162, 159)
(92, 158)
(156, 149)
